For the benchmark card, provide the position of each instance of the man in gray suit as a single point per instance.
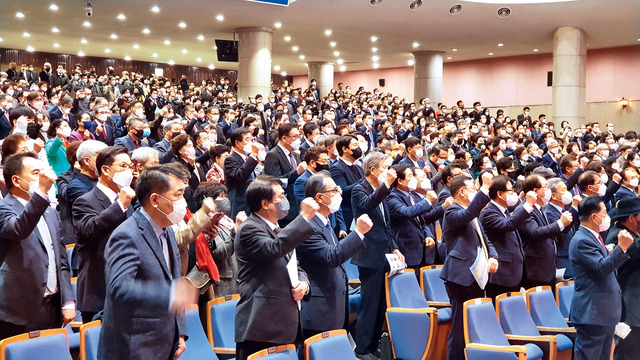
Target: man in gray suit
(144, 306)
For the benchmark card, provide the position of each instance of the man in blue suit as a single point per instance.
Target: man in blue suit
(561, 199)
(134, 138)
(99, 127)
(239, 167)
(165, 152)
(6, 104)
(310, 131)
(551, 158)
(368, 197)
(597, 303)
(414, 152)
(321, 257)
(463, 236)
(346, 173)
(628, 186)
(502, 230)
(144, 307)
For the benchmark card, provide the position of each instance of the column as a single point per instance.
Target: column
(322, 71)
(427, 76)
(569, 76)
(254, 61)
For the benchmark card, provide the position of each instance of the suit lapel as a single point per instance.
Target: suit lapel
(154, 242)
(104, 200)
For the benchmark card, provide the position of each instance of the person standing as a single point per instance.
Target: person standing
(239, 167)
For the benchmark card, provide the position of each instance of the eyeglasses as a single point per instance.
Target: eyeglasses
(337, 189)
(125, 166)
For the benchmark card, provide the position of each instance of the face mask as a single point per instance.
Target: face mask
(321, 167)
(138, 133)
(223, 205)
(419, 153)
(66, 110)
(440, 161)
(38, 105)
(613, 147)
(45, 126)
(605, 223)
(382, 177)
(604, 178)
(81, 96)
(66, 132)
(547, 195)
(602, 190)
(425, 184)
(33, 186)
(357, 152)
(123, 178)
(247, 149)
(636, 163)
(450, 158)
(554, 151)
(471, 195)
(605, 153)
(262, 155)
(215, 118)
(146, 133)
(282, 209)
(86, 124)
(634, 183)
(469, 163)
(179, 210)
(336, 201)
(364, 147)
(567, 198)
(103, 117)
(295, 145)
(413, 184)
(189, 152)
(512, 199)
(206, 144)
(139, 112)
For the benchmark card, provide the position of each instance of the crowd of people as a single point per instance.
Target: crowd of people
(246, 192)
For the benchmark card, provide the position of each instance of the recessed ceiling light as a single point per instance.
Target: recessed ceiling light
(53, 7)
(500, 44)
(201, 37)
(284, 73)
(287, 38)
(182, 25)
(107, 50)
(154, 55)
(86, 24)
(301, 57)
(449, 58)
(333, 44)
(535, 50)
(276, 68)
(121, 16)
(30, 48)
(340, 61)
(415, 44)
(638, 39)
(375, 58)
(219, 17)
(155, 9)
(26, 34)
(127, 58)
(343, 68)
(83, 41)
(411, 62)
(328, 32)
(454, 49)
(146, 31)
(306, 64)
(170, 62)
(184, 51)
(374, 38)
(211, 66)
(113, 36)
(56, 45)
(215, 48)
(374, 49)
(376, 65)
(80, 53)
(1, 39)
(278, 25)
(167, 42)
(199, 59)
(55, 30)
(136, 46)
(294, 48)
(19, 15)
(490, 54)
(336, 53)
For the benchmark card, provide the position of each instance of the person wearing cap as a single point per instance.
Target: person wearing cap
(627, 217)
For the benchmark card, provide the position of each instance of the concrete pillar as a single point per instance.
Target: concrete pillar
(569, 76)
(322, 71)
(427, 76)
(254, 61)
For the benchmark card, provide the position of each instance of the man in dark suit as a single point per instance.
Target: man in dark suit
(84, 180)
(501, 229)
(571, 171)
(265, 283)
(45, 74)
(239, 167)
(524, 116)
(95, 215)
(171, 129)
(446, 175)
(310, 130)
(437, 156)
(626, 218)
(628, 186)
(282, 162)
(367, 197)
(540, 235)
(346, 173)
(6, 104)
(463, 236)
(34, 271)
(322, 256)
(597, 303)
(99, 127)
(144, 306)
(228, 115)
(561, 199)
(134, 138)
(551, 158)
(414, 152)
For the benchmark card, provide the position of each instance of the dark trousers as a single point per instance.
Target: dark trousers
(593, 342)
(246, 348)
(627, 349)
(47, 316)
(372, 308)
(87, 316)
(458, 294)
(494, 290)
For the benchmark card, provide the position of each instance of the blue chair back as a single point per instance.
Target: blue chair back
(410, 332)
(70, 252)
(198, 346)
(89, 338)
(223, 323)
(352, 270)
(433, 285)
(565, 296)
(283, 352)
(334, 347)
(482, 323)
(543, 308)
(74, 287)
(404, 291)
(514, 316)
(48, 345)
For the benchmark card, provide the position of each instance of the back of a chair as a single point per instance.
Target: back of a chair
(333, 345)
(74, 287)
(564, 296)
(514, 316)
(70, 248)
(221, 326)
(404, 291)
(481, 323)
(282, 352)
(432, 285)
(37, 345)
(352, 270)
(89, 338)
(411, 332)
(198, 346)
(543, 308)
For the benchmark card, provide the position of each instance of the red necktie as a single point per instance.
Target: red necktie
(602, 243)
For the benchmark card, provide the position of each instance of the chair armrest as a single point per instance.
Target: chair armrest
(555, 330)
(511, 348)
(355, 282)
(75, 324)
(438, 304)
(544, 338)
(221, 350)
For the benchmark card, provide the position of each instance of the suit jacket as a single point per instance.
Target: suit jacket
(596, 298)
(304, 147)
(407, 160)
(461, 238)
(109, 131)
(94, 218)
(623, 193)
(279, 165)
(298, 186)
(80, 185)
(45, 76)
(539, 238)
(263, 281)
(321, 257)
(627, 276)
(127, 142)
(198, 175)
(24, 260)
(548, 162)
(435, 176)
(572, 181)
(379, 240)
(562, 241)
(165, 150)
(238, 174)
(221, 130)
(501, 229)
(409, 226)
(347, 177)
(5, 125)
(138, 323)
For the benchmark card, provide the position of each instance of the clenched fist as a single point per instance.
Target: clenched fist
(391, 177)
(624, 240)
(566, 218)
(302, 167)
(46, 180)
(308, 208)
(448, 202)
(431, 196)
(364, 224)
(532, 198)
(126, 195)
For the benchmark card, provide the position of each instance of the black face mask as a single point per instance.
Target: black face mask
(33, 130)
(357, 152)
(138, 133)
(320, 167)
(223, 205)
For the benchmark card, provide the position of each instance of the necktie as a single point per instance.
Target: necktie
(276, 230)
(381, 207)
(293, 161)
(52, 277)
(480, 237)
(165, 248)
(333, 235)
(602, 243)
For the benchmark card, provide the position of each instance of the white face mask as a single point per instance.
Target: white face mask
(247, 149)
(45, 126)
(419, 153)
(38, 105)
(123, 178)
(554, 151)
(450, 158)
(33, 186)
(604, 178)
(636, 163)
(425, 184)
(547, 196)
(605, 223)
(512, 199)
(413, 184)
(382, 177)
(566, 198)
(66, 132)
(103, 117)
(605, 154)
(179, 210)
(206, 144)
(296, 144)
(139, 112)
(364, 146)
(262, 155)
(471, 195)
(634, 183)
(66, 110)
(602, 190)
(336, 200)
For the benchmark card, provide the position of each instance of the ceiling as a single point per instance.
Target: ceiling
(475, 32)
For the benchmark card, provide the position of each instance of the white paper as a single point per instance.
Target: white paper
(480, 268)
(395, 264)
(622, 330)
(292, 269)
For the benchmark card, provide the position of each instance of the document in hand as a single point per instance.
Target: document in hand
(395, 264)
(480, 268)
(292, 269)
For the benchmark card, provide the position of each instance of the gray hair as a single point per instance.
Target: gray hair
(143, 154)
(373, 161)
(553, 184)
(89, 148)
(316, 183)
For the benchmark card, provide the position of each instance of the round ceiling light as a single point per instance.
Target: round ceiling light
(504, 12)
(455, 9)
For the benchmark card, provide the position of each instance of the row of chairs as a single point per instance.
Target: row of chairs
(419, 320)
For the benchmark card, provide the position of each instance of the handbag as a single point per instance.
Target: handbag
(200, 279)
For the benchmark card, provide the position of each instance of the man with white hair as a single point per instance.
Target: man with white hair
(144, 157)
(45, 74)
(84, 181)
(172, 128)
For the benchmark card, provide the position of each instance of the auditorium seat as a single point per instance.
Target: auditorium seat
(329, 345)
(49, 344)
(197, 345)
(519, 327)
(70, 248)
(484, 337)
(546, 314)
(89, 339)
(413, 332)
(73, 335)
(402, 290)
(436, 294)
(282, 352)
(221, 326)
(564, 296)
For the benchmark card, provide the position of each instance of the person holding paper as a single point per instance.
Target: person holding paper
(466, 244)
(267, 313)
(597, 301)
